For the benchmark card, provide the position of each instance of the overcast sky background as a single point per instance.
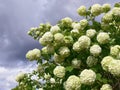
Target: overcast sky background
(16, 18)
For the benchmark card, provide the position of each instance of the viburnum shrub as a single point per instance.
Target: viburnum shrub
(76, 55)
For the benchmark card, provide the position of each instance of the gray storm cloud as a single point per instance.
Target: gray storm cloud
(17, 17)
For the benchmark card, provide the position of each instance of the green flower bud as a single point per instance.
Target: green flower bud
(106, 7)
(76, 63)
(50, 49)
(96, 9)
(82, 11)
(57, 58)
(68, 40)
(91, 61)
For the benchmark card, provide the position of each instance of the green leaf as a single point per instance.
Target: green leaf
(69, 68)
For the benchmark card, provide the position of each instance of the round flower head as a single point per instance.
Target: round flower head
(77, 26)
(106, 7)
(59, 71)
(42, 42)
(95, 50)
(114, 67)
(115, 50)
(90, 33)
(82, 11)
(107, 18)
(67, 21)
(76, 46)
(91, 61)
(40, 88)
(106, 87)
(84, 42)
(83, 23)
(74, 32)
(116, 12)
(73, 83)
(52, 80)
(76, 63)
(105, 62)
(54, 29)
(64, 51)
(58, 58)
(96, 9)
(47, 37)
(20, 76)
(44, 50)
(103, 37)
(33, 54)
(87, 77)
(59, 37)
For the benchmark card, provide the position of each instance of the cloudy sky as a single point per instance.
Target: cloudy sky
(16, 17)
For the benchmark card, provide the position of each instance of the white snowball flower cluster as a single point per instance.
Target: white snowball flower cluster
(76, 63)
(58, 38)
(116, 11)
(33, 54)
(106, 7)
(59, 71)
(83, 23)
(82, 43)
(77, 26)
(91, 33)
(103, 37)
(96, 9)
(107, 18)
(87, 77)
(82, 10)
(55, 29)
(106, 87)
(106, 61)
(40, 88)
(91, 61)
(20, 76)
(67, 20)
(64, 51)
(52, 81)
(46, 38)
(114, 67)
(95, 50)
(68, 40)
(72, 83)
(115, 50)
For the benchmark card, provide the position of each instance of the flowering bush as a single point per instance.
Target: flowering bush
(82, 55)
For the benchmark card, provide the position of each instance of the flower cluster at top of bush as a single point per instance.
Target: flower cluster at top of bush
(78, 55)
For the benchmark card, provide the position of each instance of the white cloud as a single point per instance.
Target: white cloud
(7, 75)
